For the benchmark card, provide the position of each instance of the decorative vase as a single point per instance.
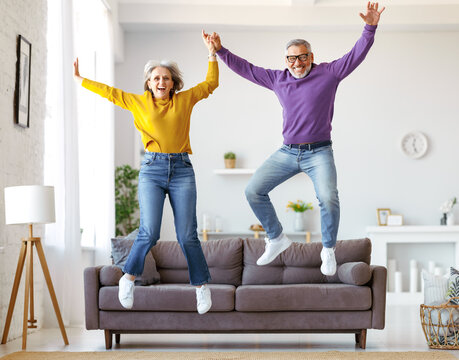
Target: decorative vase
(450, 219)
(443, 219)
(299, 221)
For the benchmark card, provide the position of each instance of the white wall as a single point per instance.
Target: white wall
(21, 150)
(408, 82)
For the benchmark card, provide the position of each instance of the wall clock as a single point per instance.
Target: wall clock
(415, 144)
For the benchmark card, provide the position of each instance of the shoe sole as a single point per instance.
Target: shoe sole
(203, 312)
(282, 249)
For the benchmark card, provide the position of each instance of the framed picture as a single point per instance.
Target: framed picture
(382, 215)
(22, 97)
(394, 220)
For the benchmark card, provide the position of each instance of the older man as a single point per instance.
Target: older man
(306, 92)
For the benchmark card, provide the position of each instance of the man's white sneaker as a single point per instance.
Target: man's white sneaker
(328, 266)
(203, 299)
(126, 292)
(273, 249)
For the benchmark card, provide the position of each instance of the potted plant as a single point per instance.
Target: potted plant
(299, 207)
(126, 203)
(230, 160)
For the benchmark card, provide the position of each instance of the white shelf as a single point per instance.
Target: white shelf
(420, 243)
(413, 229)
(236, 171)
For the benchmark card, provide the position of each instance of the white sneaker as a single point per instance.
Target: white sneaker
(203, 299)
(328, 266)
(126, 292)
(273, 249)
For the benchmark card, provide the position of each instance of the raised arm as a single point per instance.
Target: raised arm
(345, 65)
(242, 67)
(118, 97)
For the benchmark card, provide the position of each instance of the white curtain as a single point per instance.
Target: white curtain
(67, 141)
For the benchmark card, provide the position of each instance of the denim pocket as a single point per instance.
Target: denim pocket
(187, 163)
(146, 161)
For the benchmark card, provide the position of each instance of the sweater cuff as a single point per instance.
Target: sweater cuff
(371, 28)
(222, 52)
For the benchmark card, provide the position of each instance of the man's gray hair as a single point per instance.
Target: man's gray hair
(176, 74)
(297, 42)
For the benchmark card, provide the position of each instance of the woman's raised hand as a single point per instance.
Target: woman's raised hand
(76, 72)
(207, 41)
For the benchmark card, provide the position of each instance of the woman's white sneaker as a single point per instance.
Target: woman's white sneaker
(328, 266)
(203, 299)
(126, 292)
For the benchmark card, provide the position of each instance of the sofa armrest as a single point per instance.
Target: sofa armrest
(91, 296)
(378, 291)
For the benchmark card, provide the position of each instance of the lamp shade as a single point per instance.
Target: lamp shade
(32, 204)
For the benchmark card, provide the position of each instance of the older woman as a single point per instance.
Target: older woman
(162, 115)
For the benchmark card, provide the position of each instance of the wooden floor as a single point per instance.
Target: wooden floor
(403, 332)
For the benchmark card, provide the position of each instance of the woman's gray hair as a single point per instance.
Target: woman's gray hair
(176, 74)
(297, 42)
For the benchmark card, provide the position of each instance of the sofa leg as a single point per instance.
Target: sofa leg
(108, 339)
(117, 338)
(361, 338)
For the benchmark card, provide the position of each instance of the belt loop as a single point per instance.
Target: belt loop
(154, 156)
(290, 146)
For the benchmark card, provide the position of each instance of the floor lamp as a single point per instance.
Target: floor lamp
(30, 205)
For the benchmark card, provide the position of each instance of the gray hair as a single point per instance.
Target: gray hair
(297, 42)
(173, 68)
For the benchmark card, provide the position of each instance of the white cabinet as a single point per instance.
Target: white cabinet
(424, 244)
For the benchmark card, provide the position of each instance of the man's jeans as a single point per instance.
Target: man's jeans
(319, 165)
(171, 174)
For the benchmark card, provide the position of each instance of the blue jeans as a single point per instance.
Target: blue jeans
(171, 174)
(286, 162)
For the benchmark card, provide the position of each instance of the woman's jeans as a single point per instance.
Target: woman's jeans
(319, 165)
(171, 174)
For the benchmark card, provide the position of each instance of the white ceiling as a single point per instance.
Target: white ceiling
(170, 15)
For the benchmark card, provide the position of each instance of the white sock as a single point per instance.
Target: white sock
(276, 239)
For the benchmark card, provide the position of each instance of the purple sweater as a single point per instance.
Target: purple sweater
(307, 103)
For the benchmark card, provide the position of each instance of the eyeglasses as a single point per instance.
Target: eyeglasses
(302, 57)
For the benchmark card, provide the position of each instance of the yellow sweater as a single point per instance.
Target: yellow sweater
(163, 124)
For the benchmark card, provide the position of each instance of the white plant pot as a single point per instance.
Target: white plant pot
(450, 218)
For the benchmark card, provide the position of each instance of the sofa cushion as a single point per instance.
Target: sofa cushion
(300, 263)
(168, 297)
(120, 252)
(354, 273)
(303, 297)
(224, 259)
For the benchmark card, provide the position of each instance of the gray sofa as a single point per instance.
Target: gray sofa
(290, 295)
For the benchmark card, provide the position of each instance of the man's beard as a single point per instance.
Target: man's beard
(296, 76)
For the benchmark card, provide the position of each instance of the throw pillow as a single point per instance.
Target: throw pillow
(120, 251)
(435, 288)
(453, 289)
(453, 271)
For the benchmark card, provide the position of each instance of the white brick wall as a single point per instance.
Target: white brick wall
(21, 150)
